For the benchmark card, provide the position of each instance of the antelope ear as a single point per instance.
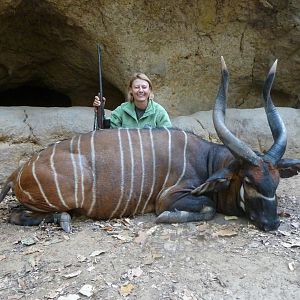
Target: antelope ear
(288, 167)
(220, 180)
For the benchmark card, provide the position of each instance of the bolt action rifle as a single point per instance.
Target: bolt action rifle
(99, 121)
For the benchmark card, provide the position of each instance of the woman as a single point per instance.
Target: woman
(141, 111)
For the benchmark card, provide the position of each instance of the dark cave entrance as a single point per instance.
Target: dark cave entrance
(30, 95)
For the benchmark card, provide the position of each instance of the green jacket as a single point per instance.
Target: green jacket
(125, 116)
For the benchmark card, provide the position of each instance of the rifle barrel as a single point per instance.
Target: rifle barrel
(100, 109)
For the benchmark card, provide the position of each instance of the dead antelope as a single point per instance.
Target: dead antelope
(117, 173)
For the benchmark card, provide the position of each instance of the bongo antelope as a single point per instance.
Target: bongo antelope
(115, 173)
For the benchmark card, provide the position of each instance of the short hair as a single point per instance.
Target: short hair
(143, 77)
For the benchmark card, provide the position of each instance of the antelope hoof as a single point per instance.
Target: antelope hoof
(64, 220)
(172, 217)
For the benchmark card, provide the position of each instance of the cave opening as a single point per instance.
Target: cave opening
(30, 95)
(47, 60)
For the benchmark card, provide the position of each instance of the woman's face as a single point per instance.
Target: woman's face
(140, 90)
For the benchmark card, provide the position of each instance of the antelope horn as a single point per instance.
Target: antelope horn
(276, 124)
(238, 148)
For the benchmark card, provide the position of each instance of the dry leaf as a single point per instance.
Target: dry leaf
(90, 269)
(87, 290)
(141, 238)
(54, 241)
(69, 297)
(96, 253)
(62, 287)
(126, 289)
(32, 250)
(33, 261)
(97, 223)
(108, 228)
(229, 218)
(52, 295)
(126, 221)
(149, 259)
(152, 230)
(226, 232)
(142, 235)
(295, 224)
(74, 274)
(137, 272)
(15, 297)
(122, 237)
(221, 282)
(291, 244)
(203, 227)
(291, 266)
(81, 258)
(188, 295)
(284, 214)
(21, 283)
(285, 233)
(156, 255)
(2, 257)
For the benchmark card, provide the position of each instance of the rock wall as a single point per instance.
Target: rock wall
(26, 130)
(52, 44)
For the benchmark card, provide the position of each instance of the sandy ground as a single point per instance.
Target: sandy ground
(137, 259)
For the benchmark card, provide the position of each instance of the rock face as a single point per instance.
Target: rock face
(26, 130)
(48, 51)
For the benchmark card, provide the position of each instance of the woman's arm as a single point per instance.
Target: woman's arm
(163, 119)
(115, 118)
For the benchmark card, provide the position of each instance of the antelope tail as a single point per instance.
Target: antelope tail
(8, 185)
(5, 189)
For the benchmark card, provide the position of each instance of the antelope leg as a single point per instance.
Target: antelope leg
(25, 217)
(188, 209)
(181, 216)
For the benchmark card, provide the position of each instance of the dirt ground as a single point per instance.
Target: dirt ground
(137, 259)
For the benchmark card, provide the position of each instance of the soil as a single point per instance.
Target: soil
(137, 259)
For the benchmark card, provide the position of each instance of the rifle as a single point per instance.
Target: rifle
(100, 114)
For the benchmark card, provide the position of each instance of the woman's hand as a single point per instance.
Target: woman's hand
(97, 103)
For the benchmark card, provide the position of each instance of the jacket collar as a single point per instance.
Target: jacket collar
(130, 109)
